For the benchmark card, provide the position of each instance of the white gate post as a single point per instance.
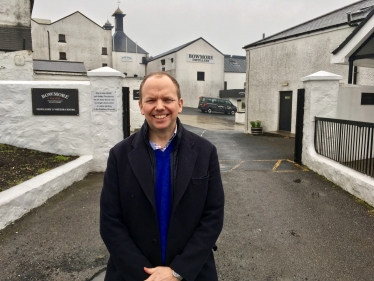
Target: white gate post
(106, 113)
(321, 100)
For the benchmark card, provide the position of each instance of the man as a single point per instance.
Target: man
(162, 201)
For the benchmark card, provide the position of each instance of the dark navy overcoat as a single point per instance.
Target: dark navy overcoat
(128, 220)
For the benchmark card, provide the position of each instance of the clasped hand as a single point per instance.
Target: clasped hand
(160, 273)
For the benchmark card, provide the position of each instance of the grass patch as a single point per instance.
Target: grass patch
(20, 164)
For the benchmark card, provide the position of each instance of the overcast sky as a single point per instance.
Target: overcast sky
(160, 25)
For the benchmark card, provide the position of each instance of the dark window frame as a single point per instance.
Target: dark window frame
(62, 38)
(104, 64)
(63, 56)
(200, 76)
(104, 51)
(163, 62)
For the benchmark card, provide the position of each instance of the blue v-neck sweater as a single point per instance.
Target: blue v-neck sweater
(163, 194)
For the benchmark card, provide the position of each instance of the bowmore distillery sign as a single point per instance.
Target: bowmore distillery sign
(200, 58)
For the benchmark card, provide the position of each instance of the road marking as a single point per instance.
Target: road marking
(277, 165)
(237, 166)
(202, 133)
(274, 169)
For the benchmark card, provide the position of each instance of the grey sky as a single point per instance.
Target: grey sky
(160, 25)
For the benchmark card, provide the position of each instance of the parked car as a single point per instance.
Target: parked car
(209, 104)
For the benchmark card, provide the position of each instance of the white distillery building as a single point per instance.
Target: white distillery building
(73, 38)
(128, 56)
(276, 64)
(198, 67)
(15, 40)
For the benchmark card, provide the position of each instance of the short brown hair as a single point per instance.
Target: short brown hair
(160, 74)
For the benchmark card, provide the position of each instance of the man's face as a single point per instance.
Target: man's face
(160, 105)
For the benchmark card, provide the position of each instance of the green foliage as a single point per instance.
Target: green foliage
(61, 158)
(255, 124)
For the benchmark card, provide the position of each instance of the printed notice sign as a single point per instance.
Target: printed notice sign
(104, 101)
(200, 58)
(55, 101)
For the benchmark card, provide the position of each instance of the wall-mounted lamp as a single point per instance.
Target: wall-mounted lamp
(285, 84)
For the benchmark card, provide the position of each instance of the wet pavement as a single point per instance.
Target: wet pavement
(282, 222)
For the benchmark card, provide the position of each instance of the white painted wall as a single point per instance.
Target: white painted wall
(16, 65)
(349, 104)
(68, 135)
(130, 67)
(90, 133)
(15, 13)
(84, 41)
(321, 99)
(234, 80)
(285, 62)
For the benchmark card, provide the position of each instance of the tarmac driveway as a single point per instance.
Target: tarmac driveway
(282, 222)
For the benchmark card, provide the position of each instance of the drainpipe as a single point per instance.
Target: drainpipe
(49, 47)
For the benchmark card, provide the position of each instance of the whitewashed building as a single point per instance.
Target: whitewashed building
(15, 40)
(72, 38)
(276, 64)
(198, 67)
(128, 56)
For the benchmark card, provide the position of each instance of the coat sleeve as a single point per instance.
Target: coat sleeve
(199, 247)
(126, 256)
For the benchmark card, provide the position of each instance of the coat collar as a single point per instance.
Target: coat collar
(141, 163)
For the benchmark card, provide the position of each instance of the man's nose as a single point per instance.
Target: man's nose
(159, 104)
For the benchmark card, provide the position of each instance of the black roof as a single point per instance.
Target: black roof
(59, 66)
(333, 19)
(180, 48)
(357, 29)
(119, 44)
(14, 39)
(235, 64)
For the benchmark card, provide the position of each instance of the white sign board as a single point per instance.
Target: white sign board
(126, 58)
(104, 101)
(200, 58)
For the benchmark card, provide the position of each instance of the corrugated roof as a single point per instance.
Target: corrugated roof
(59, 66)
(235, 64)
(180, 48)
(12, 38)
(330, 20)
(119, 44)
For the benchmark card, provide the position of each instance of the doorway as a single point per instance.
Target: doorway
(285, 111)
(126, 111)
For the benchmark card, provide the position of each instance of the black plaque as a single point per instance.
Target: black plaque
(55, 101)
(367, 98)
(135, 94)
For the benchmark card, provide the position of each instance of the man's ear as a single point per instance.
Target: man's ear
(180, 103)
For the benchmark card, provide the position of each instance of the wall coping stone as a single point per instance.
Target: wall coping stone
(322, 75)
(105, 71)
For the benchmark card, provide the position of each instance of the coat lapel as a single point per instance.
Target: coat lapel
(186, 163)
(141, 165)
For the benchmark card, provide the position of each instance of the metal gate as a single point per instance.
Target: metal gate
(285, 111)
(126, 111)
(299, 125)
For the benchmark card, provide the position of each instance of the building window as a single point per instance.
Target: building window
(172, 60)
(62, 56)
(105, 64)
(61, 38)
(104, 51)
(163, 62)
(163, 69)
(200, 76)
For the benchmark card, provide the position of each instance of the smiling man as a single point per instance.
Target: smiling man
(162, 201)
